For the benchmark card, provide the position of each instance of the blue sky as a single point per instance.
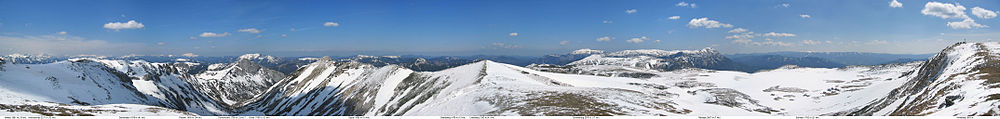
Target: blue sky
(436, 27)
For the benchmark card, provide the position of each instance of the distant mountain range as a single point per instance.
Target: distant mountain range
(846, 58)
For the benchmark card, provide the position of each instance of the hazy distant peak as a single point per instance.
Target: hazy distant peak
(587, 51)
(256, 56)
(658, 52)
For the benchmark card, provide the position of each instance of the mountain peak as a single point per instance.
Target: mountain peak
(249, 56)
(936, 81)
(364, 56)
(257, 56)
(587, 51)
(658, 52)
(708, 49)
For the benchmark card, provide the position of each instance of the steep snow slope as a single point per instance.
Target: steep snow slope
(329, 88)
(961, 80)
(56, 109)
(85, 82)
(167, 83)
(236, 82)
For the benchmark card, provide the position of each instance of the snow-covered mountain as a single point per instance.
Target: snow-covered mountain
(102, 87)
(414, 63)
(958, 81)
(641, 63)
(963, 79)
(28, 59)
(659, 59)
(563, 59)
(423, 63)
(239, 81)
(490, 88)
(481, 88)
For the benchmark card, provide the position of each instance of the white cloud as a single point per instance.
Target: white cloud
(895, 4)
(284, 35)
(944, 10)
(773, 43)
(738, 30)
(189, 55)
(132, 24)
(748, 35)
(62, 33)
(250, 30)
(877, 42)
(805, 16)
(983, 13)
(767, 42)
(607, 21)
(684, 4)
(330, 24)
(512, 34)
(773, 34)
(786, 5)
(705, 22)
(745, 37)
(601, 39)
(160, 43)
(563, 42)
(811, 42)
(210, 34)
(674, 17)
(637, 40)
(630, 11)
(743, 41)
(968, 23)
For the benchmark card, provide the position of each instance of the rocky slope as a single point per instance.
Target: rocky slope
(102, 87)
(236, 82)
(961, 80)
